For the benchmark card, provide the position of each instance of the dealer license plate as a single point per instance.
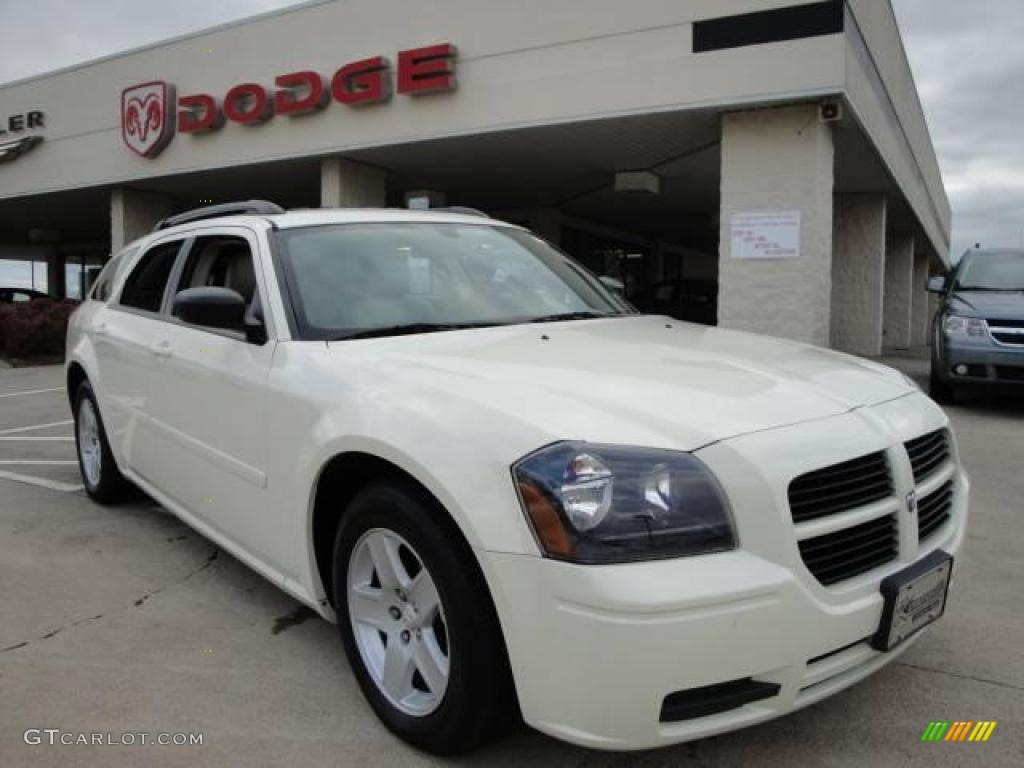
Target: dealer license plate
(914, 598)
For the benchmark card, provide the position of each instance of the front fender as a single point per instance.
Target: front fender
(470, 478)
(459, 450)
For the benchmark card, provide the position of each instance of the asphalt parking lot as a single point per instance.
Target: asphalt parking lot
(123, 620)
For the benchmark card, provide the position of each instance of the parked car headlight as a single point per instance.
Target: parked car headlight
(611, 504)
(955, 325)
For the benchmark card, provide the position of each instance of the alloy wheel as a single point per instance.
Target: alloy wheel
(90, 450)
(398, 622)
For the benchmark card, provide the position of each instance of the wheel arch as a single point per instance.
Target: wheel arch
(339, 480)
(76, 374)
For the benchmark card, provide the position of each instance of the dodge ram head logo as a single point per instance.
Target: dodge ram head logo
(912, 503)
(147, 117)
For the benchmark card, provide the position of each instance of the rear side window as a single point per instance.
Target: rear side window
(144, 288)
(105, 280)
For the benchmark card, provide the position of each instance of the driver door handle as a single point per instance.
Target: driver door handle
(161, 349)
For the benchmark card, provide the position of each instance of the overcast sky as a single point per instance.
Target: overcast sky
(966, 55)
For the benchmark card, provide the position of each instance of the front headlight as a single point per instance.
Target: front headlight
(955, 325)
(612, 504)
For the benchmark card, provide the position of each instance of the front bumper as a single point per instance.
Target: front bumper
(986, 361)
(595, 650)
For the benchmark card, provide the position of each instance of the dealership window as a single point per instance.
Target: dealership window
(18, 273)
(144, 288)
(80, 272)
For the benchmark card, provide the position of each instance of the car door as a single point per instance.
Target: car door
(123, 336)
(209, 399)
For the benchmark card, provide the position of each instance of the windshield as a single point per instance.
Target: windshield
(1002, 271)
(388, 278)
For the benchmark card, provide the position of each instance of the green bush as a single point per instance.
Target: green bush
(34, 328)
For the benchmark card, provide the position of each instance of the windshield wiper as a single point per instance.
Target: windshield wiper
(408, 329)
(586, 315)
(987, 289)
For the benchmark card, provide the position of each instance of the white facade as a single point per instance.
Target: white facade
(551, 101)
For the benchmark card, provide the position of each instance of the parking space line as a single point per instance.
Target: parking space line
(37, 462)
(35, 438)
(32, 392)
(53, 485)
(33, 428)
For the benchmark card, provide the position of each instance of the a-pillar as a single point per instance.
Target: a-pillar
(134, 213)
(778, 161)
(899, 284)
(858, 273)
(347, 184)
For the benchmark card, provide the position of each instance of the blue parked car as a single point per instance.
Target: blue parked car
(979, 328)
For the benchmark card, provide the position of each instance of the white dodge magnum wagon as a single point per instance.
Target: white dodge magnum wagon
(511, 492)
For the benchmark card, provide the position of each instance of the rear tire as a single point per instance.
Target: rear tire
(942, 392)
(102, 479)
(391, 542)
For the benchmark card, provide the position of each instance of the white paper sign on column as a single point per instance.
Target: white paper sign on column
(766, 235)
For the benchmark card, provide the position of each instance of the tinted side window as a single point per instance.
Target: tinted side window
(221, 261)
(144, 288)
(105, 280)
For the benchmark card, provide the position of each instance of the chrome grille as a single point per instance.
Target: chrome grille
(933, 510)
(844, 554)
(927, 453)
(1007, 331)
(840, 487)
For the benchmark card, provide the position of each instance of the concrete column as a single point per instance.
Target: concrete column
(778, 160)
(858, 273)
(56, 285)
(134, 213)
(656, 268)
(547, 222)
(899, 284)
(919, 303)
(345, 184)
(933, 308)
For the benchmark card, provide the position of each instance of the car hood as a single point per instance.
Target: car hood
(987, 304)
(637, 380)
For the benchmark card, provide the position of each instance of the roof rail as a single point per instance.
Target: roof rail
(256, 207)
(465, 210)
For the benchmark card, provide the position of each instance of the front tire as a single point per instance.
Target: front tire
(102, 479)
(417, 622)
(941, 391)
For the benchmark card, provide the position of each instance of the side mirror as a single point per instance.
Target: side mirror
(937, 284)
(212, 307)
(615, 286)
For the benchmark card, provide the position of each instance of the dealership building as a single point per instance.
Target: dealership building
(760, 164)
